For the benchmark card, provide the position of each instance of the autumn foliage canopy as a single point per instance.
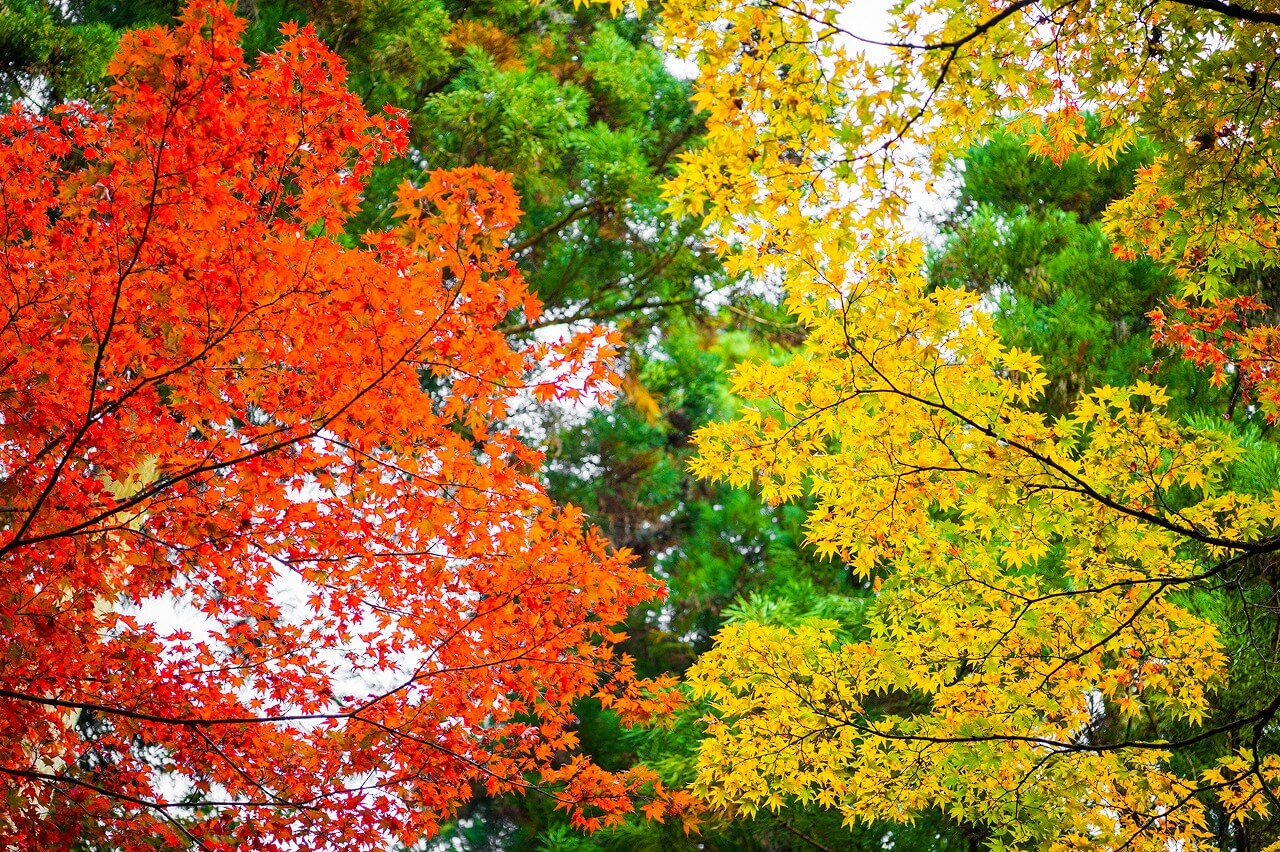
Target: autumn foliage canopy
(280, 570)
(276, 573)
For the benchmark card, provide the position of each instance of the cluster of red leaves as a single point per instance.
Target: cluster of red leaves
(212, 408)
(1219, 337)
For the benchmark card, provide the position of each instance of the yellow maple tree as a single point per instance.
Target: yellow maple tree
(1035, 634)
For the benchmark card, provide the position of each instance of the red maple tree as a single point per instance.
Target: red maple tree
(277, 572)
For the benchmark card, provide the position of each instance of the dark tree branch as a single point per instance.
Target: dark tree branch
(1232, 10)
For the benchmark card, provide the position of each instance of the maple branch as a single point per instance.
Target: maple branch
(528, 654)
(150, 804)
(272, 800)
(180, 721)
(196, 724)
(308, 804)
(951, 44)
(1266, 545)
(1232, 10)
(317, 429)
(789, 328)
(1081, 485)
(1221, 7)
(1259, 718)
(159, 808)
(101, 351)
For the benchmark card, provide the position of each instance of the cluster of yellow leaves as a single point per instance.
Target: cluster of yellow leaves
(1033, 610)
(1031, 593)
(1245, 784)
(798, 114)
(803, 718)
